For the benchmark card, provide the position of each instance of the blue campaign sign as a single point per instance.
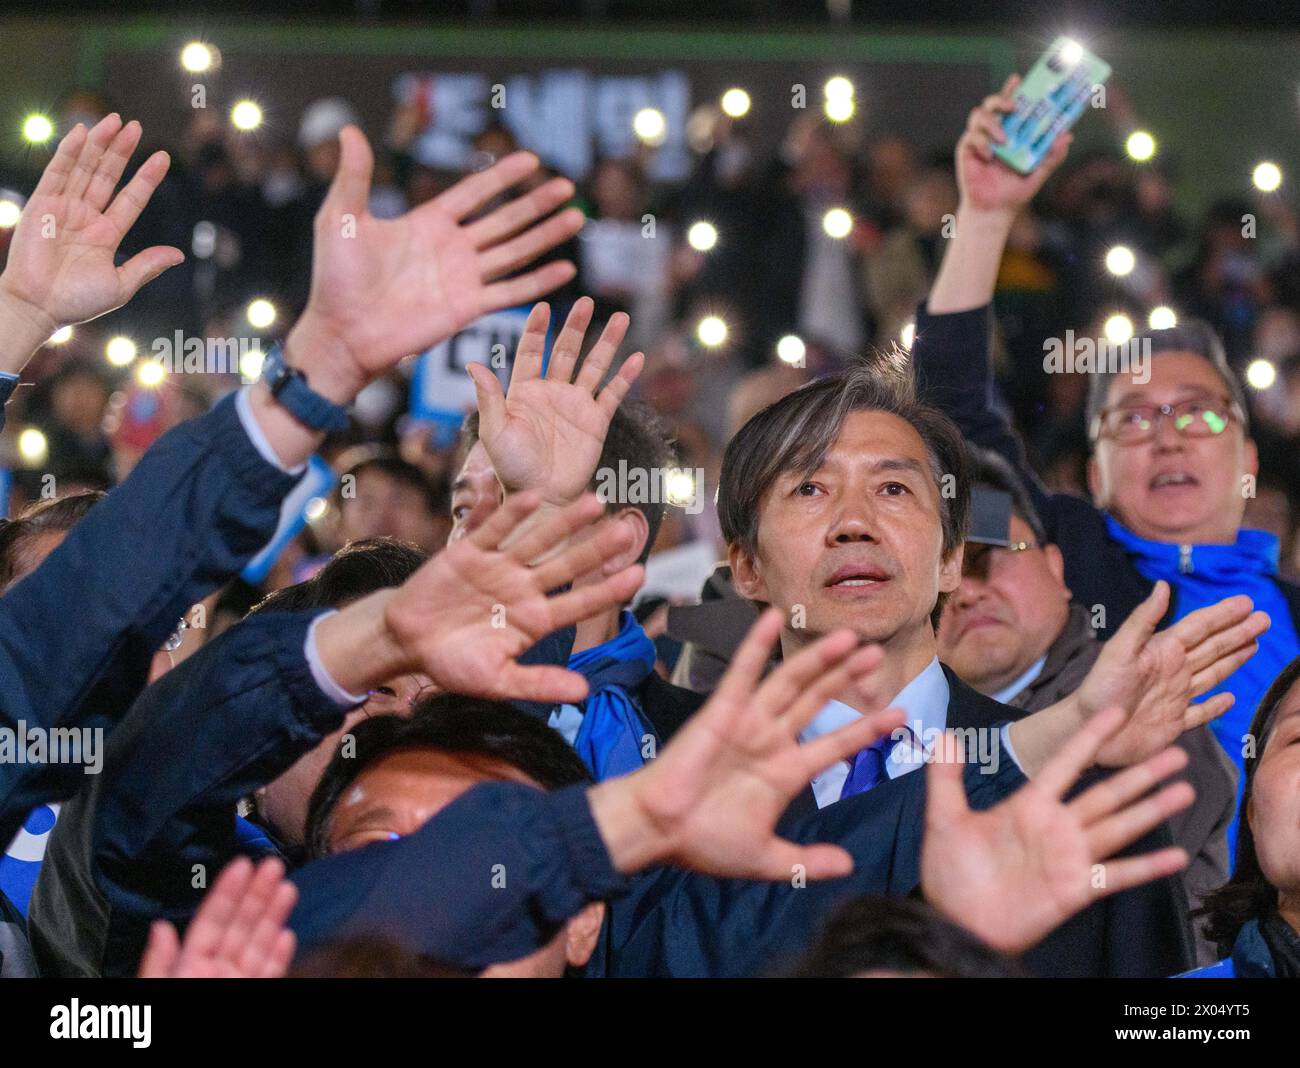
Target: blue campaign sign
(21, 862)
(316, 481)
(442, 393)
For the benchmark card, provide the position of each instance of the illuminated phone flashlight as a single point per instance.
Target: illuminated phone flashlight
(33, 446)
(711, 331)
(838, 104)
(1118, 328)
(735, 102)
(37, 129)
(837, 223)
(119, 351)
(1162, 318)
(650, 126)
(1140, 146)
(1071, 53)
(246, 115)
(10, 213)
(150, 373)
(250, 364)
(908, 335)
(316, 509)
(791, 349)
(1267, 176)
(199, 58)
(1120, 261)
(61, 336)
(679, 487)
(1261, 374)
(261, 313)
(702, 236)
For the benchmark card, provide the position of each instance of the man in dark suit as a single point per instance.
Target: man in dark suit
(561, 438)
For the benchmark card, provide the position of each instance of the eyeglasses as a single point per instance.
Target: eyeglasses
(1197, 418)
(979, 560)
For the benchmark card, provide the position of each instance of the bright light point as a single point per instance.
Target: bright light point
(150, 373)
(839, 108)
(1118, 329)
(120, 351)
(838, 88)
(261, 313)
(1120, 261)
(61, 336)
(1140, 146)
(196, 57)
(1267, 176)
(650, 126)
(702, 236)
(791, 349)
(1162, 318)
(908, 336)
(32, 445)
(10, 213)
(1261, 374)
(246, 115)
(735, 102)
(250, 364)
(837, 223)
(1071, 53)
(712, 331)
(316, 509)
(37, 129)
(679, 487)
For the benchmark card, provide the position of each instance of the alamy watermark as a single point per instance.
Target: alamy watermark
(53, 745)
(1086, 355)
(682, 487)
(209, 355)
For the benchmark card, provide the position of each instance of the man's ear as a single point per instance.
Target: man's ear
(581, 934)
(635, 519)
(950, 570)
(1251, 457)
(1094, 481)
(746, 578)
(1056, 565)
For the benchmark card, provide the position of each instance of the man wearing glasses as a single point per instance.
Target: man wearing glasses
(1172, 462)
(1011, 631)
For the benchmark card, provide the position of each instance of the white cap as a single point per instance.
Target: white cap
(323, 119)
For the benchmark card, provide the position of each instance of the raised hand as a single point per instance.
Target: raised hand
(470, 611)
(1015, 872)
(547, 433)
(238, 931)
(382, 289)
(711, 800)
(987, 184)
(61, 266)
(1158, 676)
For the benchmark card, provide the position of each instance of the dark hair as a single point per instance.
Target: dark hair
(989, 468)
(1248, 895)
(1190, 335)
(388, 463)
(900, 934)
(370, 957)
(358, 569)
(637, 439)
(60, 514)
(450, 723)
(796, 432)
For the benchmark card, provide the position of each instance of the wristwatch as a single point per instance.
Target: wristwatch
(289, 387)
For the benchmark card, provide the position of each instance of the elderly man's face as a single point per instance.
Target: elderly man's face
(475, 494)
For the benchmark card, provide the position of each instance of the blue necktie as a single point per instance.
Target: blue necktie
(868, 768)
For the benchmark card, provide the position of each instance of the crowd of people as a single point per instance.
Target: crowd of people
(998, 673)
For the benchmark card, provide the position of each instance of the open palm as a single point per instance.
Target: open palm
(61, 264)
(387, 288)
(547, 433)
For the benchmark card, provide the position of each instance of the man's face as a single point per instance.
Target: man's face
(475, 494)
(283, 803)
(1008, 610)
(385, 507)
(400, 792)
(857, 543)
(1274, 809)
(1174, 487)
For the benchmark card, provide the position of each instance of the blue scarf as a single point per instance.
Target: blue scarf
(610, 738)
(1200, 575)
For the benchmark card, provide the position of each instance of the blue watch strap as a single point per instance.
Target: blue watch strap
(290, 388)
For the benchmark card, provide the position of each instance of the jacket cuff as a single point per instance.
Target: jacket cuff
(954, 331)
(571, 833)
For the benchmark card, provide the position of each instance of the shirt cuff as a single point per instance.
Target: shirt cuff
(244, 407)
(324, 680)
(1011, 750)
